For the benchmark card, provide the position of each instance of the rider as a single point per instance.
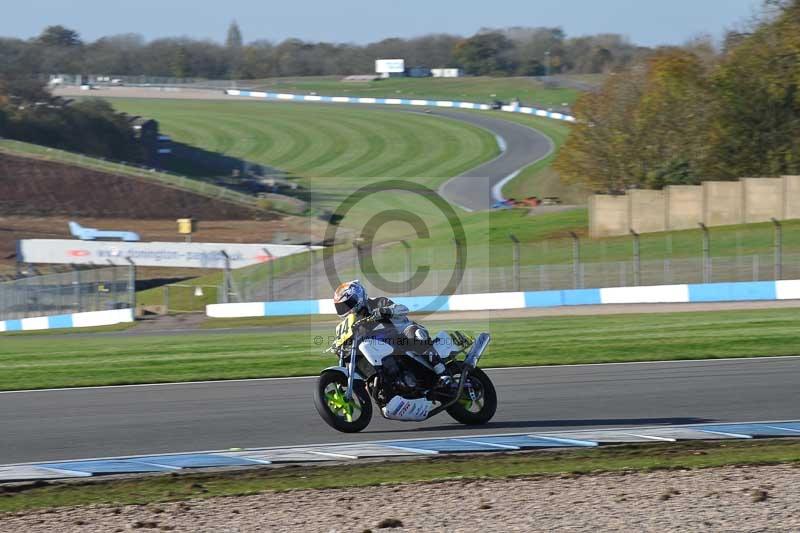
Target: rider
(351, 297)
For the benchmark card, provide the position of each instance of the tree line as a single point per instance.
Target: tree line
(518, 51)
(690, 114)
(28, 112)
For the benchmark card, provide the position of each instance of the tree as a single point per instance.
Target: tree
(602, 150)
(234, 39)
(233, 47)
(485, 54)
(671, 118)
(59, 36)
(758, 88)
(647, 127)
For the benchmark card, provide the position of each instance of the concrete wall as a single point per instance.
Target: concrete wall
(677, 207)
(608, 215)
(791, 197)
(723, 203)
(684, 206)
(646, 211)
(763, 199)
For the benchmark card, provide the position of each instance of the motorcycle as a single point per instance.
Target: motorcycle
(401, 381)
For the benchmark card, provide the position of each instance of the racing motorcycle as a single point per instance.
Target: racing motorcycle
(375, 366)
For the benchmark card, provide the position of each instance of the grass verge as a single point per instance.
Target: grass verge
(31, 362)
(693, 455)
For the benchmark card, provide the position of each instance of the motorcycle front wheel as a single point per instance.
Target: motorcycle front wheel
(478, 402)
(342, 415)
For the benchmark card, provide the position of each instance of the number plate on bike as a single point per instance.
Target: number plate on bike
(344, 330)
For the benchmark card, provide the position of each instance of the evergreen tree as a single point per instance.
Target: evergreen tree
(233, 45)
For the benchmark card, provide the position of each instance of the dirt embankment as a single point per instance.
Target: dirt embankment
(34, 187)
(38, 198)
(723, 499)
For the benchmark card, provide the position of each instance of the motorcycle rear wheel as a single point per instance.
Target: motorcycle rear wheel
(335, 410)
(478, 408)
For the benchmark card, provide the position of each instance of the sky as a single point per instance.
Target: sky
(645, 22)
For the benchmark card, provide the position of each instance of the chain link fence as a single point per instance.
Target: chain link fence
(755, 254)
(99, 289)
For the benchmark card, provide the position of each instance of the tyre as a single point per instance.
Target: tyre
(478, 402)
(341, 415)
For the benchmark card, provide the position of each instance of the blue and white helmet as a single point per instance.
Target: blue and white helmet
(349, 296)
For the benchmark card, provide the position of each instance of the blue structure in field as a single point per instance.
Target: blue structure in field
(92, 234)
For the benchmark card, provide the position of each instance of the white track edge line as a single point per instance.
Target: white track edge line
(384, 442)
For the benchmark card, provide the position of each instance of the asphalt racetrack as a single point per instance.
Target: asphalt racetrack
(523, 146)
(112, 421)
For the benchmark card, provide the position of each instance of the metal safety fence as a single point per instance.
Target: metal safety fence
(757, 253)
(584, 275)
(98, 289)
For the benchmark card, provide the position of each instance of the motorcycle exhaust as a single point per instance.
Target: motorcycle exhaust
(478, 347)
(471, 361)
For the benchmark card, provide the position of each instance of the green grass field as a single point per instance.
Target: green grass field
(30, 361)
(529, 91)
(546, 241)
(322, 141)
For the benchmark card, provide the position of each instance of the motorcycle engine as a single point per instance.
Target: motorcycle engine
(400, 379)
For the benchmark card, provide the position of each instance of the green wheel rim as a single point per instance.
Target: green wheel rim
(473, 404)
(339, 405)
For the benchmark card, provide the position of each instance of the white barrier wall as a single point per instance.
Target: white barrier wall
(75, 320)
(399, 101)
(708, 292)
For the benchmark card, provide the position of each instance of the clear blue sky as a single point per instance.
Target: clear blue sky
(646, 22)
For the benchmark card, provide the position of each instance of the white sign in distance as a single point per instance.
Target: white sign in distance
(390, 66)
(159, 254)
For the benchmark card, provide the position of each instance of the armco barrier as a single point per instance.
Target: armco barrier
(692, 293)
(75, 320)
(287, 97)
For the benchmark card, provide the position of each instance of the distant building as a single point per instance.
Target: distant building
(447, 72)
(418, 72)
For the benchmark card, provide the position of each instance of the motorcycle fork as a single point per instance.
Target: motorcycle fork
(351, 371)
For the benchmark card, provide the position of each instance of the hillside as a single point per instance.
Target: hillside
(30, 186)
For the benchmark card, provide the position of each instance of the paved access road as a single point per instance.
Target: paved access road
(111, 421)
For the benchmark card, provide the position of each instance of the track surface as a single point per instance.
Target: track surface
(524, 146)
(99, 422)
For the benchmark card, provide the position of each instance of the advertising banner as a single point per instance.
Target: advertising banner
(160, 254)
(390, 66)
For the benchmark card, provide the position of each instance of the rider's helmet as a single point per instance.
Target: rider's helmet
(349, 296)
